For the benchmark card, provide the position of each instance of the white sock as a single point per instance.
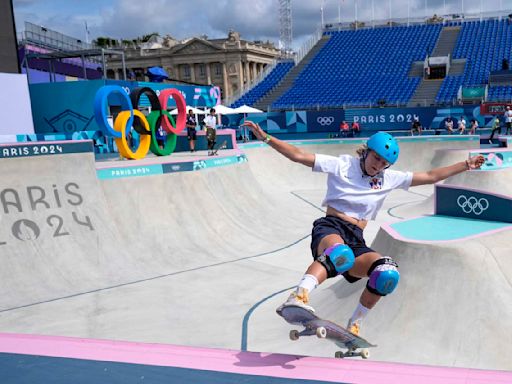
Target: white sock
(308, 282)
(359, 314)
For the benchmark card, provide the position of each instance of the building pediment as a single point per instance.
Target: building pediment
(197, 46)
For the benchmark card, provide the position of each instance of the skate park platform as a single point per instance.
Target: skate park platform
(146, 258)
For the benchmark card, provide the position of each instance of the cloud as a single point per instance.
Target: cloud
(255, 20)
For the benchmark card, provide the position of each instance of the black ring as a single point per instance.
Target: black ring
(135, 95)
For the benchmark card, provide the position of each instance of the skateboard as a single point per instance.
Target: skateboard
(325, 329)
(224, 145)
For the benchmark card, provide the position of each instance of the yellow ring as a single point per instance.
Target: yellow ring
(122, 143)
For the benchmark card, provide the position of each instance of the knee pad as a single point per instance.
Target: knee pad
(337, 259)
(383, 276)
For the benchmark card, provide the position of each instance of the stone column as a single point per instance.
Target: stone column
(247, 75)
(225, 86)
(240, 76)
(208, 74)
(193, 73)
(254, 71)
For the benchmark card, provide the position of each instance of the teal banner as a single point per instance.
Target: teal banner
(158, 169)
(473, 92)
(44, 149)
(67, 107)
(472, 204)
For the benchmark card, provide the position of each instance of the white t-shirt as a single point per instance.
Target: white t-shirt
(353, 193)
(210, 121)
(508, 116)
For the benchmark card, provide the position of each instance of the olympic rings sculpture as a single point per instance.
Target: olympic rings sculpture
(472, 204)
(145, 126)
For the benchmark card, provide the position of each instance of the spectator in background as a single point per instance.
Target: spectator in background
(161, 136)
(210, 122)
(344, 129)
(473, 126)
(356, 129)
(508, 120)
(416, 126)
(461, 125)
(448, 124)
(191, 130)
(496, 127)
(504, 64)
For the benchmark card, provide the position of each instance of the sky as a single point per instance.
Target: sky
(254, 19)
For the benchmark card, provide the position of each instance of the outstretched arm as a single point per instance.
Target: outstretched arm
(438, 174)
(291, 152)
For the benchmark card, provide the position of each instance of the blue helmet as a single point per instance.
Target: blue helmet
(384, 145)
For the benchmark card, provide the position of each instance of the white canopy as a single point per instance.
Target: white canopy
(223, 110)
(246, 109)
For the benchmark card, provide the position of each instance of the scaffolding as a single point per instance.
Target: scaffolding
(82, 54)
(285, 24)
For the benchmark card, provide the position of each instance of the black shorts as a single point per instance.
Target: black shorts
(191, 133)
(351, 234)
(509, 125)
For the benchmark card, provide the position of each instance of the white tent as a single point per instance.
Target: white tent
(223, 110)
(196, 111)
(245, 109)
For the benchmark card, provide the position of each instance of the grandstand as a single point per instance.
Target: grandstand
(484, 44)
(383, 66)
(265, 85)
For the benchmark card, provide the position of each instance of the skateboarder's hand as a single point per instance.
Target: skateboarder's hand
(475, 162)
(256, 130)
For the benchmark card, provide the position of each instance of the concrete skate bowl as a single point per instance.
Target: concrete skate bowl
(168, 252)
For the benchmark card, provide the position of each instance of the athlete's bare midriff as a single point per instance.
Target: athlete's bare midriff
(349, 219)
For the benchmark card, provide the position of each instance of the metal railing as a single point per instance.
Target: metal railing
(308, 45)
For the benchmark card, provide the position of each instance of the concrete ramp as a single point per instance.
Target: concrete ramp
(202, 258)
(57, 238)
(452, 305)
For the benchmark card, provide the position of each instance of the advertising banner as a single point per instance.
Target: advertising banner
(473, 204)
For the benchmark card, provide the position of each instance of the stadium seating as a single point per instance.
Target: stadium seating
(484, 44)
(500, 93)
(360, 67)
(267, 84)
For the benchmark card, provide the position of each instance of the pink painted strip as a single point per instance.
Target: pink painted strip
(395, 234)
(262, 364)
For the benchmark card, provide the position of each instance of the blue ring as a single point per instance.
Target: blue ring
(101, 99)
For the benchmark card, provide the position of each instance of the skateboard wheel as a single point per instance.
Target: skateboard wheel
(365, 353)
(294, 334)
(321, 332)
(339, 355)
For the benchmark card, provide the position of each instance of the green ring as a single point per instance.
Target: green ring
(170, 141)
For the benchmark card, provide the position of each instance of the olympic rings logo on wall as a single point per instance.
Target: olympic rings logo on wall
(325, 120)
(145, 126)
(472, 204)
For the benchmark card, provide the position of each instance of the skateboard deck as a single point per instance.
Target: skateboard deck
(222, 146)
(325, 329)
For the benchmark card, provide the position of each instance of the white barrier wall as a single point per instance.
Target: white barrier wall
(15, 108)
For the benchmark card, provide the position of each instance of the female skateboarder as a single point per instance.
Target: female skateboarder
(356, 189)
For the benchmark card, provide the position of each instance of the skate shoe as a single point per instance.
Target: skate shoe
(300, 299)
(354, 327)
